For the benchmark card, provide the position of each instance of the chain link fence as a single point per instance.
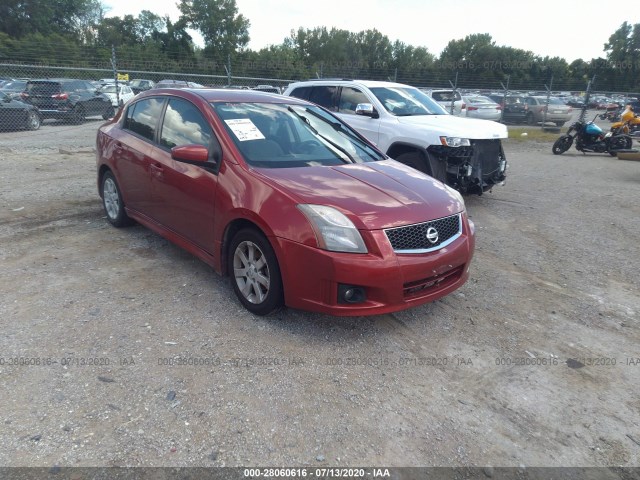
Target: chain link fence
(27, 100)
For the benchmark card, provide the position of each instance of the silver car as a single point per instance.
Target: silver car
(478, 106)
(558, 111)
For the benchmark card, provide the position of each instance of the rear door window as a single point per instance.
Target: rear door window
(326, 96)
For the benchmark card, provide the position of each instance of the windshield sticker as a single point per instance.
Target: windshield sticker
(244, 129)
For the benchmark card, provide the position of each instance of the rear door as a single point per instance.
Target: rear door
(132, 146)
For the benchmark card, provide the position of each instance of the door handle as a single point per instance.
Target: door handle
(156, 170)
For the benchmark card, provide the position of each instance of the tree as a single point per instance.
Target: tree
(223, 29)
(65, 17)
(623, 54)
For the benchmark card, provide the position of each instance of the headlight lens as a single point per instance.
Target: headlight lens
(455, 142)
(334, 231)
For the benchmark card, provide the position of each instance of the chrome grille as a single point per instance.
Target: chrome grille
(413, 238)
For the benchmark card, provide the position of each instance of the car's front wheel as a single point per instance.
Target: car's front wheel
(112, 202)
(33, 120)
(415, 160)
(255, 273)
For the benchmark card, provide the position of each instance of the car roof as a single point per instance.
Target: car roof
(224, 95)
(346, 81)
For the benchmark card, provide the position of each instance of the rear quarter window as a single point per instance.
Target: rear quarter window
(301, 92)
(142, 117)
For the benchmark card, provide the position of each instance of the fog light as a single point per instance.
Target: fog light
(469, 170)
(351, 294)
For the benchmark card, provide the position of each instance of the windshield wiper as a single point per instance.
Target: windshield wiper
(330, 142)
(339, 127)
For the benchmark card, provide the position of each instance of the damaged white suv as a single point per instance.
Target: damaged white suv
(409, 126)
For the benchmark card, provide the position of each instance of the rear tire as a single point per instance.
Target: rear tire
(77, 115)
(562, 144)
(110, 113)
(619, 143)
(529, 119)
(112, 202)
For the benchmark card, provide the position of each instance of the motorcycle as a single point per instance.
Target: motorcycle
(611, 115)
(590, 138)
(629, 123)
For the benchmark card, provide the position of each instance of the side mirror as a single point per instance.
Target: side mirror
(194, 154)
(199, 155)
(366, 110)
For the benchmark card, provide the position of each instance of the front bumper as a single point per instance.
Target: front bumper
(392, 282)
(473, 169)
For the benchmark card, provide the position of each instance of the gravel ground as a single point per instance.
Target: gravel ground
(119, 349)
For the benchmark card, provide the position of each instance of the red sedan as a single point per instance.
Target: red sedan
(287, 200)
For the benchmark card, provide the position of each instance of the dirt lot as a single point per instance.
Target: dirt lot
(534, 362)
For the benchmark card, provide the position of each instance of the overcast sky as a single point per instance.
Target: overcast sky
(545, 27)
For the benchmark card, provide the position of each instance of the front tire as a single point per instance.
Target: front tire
(414, 160)
(562, 144)
(255, 273)
(112, 202)
(33, 120)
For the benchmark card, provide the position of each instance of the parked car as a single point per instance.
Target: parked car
(413, 128)
(558, 112)
(118, 96)
(575, 101)
(514, 107)
(449, 99)
(13, 88)
(285, 198)
(176, 84)
(267, 88)
(479, 106)
(67, 99)
(17, 115)
(140, 85)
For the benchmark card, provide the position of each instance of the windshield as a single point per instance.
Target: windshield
(281, 136)
(407, 101)
(108, 89)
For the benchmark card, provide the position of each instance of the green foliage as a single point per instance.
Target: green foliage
(223, 29)
(77, 33)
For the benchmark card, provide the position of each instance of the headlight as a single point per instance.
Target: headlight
(455, 142)
(334, 231)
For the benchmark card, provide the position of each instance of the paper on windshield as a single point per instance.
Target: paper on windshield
(244, 129)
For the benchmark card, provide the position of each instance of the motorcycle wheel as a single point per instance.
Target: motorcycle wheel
(619, 143)
(562, 144)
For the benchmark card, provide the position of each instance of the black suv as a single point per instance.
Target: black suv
(67, 99)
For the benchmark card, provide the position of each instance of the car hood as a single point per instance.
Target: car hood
(453, 126)
(373, 195)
